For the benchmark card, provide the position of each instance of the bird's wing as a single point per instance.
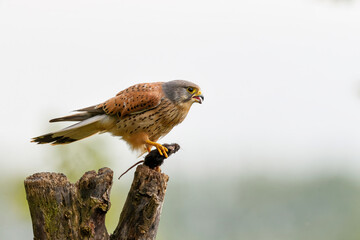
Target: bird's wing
(135, 99)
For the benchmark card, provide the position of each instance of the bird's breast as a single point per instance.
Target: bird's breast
(155, 122)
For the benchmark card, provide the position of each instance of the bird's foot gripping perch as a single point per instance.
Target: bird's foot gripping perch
(162, 149)
(154, 159)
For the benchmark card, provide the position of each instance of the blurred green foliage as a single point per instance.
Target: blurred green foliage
(225, 208)
(82, 156)
(258, 208)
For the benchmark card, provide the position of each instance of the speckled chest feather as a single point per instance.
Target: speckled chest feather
(155, 122)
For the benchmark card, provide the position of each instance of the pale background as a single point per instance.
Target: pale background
(281, 81)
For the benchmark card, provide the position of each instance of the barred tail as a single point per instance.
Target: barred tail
(74, 132)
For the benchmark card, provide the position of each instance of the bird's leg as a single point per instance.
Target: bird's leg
(162, 150)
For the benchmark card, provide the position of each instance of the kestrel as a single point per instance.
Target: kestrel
(140, 114)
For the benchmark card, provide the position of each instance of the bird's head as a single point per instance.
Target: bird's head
(183, 92)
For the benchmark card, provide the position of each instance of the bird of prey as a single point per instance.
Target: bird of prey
(140, 114)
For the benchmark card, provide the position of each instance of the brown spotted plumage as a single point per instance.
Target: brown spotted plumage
(137, 98)
(140, 114)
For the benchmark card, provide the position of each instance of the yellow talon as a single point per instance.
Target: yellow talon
(148, 148)
(162, 150)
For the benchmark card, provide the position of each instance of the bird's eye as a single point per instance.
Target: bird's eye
(191, 90)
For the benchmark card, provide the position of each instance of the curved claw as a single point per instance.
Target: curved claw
(162, 150)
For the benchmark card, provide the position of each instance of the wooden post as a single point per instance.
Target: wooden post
(62, 210)
(140, 216)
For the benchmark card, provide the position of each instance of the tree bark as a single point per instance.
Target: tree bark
(62, 210)
(140, 216)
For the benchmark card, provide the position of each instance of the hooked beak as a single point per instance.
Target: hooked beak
(198, 97)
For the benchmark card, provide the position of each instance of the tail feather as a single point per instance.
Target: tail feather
(75, 117)
(50, 138)
(84, 113)
(74, 132)
(92, 109)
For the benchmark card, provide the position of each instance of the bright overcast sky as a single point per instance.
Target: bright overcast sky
(281, 78)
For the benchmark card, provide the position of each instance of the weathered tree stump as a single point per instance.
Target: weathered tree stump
(62, 210)
(140, 216)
